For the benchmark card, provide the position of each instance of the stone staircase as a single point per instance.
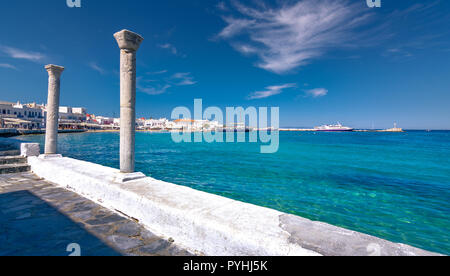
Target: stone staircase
(12, 162)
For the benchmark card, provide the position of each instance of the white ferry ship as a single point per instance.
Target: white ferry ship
(337, 127)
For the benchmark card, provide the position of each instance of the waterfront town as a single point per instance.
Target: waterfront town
(32, 116)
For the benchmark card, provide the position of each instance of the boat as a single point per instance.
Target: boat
(337, 127)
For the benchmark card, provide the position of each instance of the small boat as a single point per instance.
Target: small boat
(334, 128)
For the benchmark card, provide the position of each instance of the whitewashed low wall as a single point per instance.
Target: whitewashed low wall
(208, 223)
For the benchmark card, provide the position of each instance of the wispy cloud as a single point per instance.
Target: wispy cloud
(270, 91)
(398, 52)
(292, 35)
(222, 6)
(423, 31)
(182, 79)
(169, 47)
(153, 90)
(158, 86)
(317, 92)
(96, 67)
(21, 54)
(8, 66)
(157, 72)
(172, 49)
(236, 26)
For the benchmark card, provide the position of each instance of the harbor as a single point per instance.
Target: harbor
(201, 222)
(234, 130)
(26, 119)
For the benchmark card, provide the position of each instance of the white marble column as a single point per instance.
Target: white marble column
(129, 43)
(51, 129)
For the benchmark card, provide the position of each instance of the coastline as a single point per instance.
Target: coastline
(20, 132)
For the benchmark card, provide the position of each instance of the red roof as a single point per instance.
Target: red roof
(184, 121)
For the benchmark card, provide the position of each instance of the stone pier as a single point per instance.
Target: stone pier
(129, 43)
(208, 224)
(51, 134)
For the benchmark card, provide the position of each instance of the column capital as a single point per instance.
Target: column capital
(128, 40)
(54, 69)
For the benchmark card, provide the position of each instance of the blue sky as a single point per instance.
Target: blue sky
(320, 61)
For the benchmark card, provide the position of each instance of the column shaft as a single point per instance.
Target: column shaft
(51, 131)
(127, 110)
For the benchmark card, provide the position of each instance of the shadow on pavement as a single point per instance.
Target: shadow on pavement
(30, 226)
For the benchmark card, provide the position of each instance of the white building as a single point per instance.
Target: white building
(25, 116)
(172, 125)
(196, 125)
(156, 124)
(104, 120)
(72, 114)
(206, 125)
(116, 122)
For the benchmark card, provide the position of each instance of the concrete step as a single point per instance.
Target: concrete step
(10, 153)
(14, 168)
(4, 160)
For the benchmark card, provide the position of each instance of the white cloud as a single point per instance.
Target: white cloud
(169, 47)
(317, 92)
(21, 54)
(97, 68)
(8, 66)
(290, 36)
(161, 86)
(154, 91)
(157, 72)
(235, 26)
(270, 91)
(397, 53)
(182, 79)
(222, 6)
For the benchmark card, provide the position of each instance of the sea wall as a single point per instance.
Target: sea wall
(11, 132)
(207, 223)
(8, 132)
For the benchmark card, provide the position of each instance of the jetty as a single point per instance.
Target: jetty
(394, 129)
(297, 129)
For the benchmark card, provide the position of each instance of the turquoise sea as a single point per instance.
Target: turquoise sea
(391, 185)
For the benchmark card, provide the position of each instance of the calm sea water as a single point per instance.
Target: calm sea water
(391, 185)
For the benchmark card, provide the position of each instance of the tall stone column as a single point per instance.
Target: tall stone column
(129, 43)
(51, 129)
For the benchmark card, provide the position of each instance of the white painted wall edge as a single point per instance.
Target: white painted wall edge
(207, 223)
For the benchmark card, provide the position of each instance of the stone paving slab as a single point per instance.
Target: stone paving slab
(39, 218)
